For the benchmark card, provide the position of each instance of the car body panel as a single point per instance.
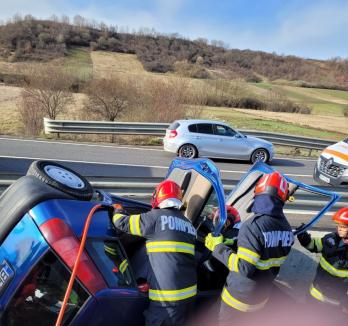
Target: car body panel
(208, 170)
(215, 145)
(242, 196)
(22, 248)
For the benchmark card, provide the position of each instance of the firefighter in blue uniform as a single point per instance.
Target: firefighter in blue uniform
(170, 247)
(264, 241)
(330, 284)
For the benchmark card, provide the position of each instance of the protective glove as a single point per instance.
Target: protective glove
(117, 209)
(304, 238)
(211, 242)
(229, 242)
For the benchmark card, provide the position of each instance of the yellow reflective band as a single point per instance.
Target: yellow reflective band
(123, 266)
(236, 304)
(173, 295)
(170, 246)
(332, 270)
(315, 293)
(233, 263)
(248, 255)
(269, 263)
(110, 250)
(318, 244)
(134, 224)
(315, 242)
(117, 216)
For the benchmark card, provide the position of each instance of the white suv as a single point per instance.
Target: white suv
(209, 138)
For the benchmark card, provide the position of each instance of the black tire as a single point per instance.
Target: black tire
(188, 151)
(67, 180)
(260, 155)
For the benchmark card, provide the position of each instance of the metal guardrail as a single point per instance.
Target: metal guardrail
(143, 187)
(159, 129)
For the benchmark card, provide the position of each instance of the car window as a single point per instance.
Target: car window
(111, 261)
(192, 128)
(205, 128)
(38, 300)
(175, 125)
(222, 130)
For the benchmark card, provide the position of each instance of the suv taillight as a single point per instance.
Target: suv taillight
(60, 237)
(172, 134)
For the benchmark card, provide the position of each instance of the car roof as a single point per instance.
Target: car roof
(192, 121)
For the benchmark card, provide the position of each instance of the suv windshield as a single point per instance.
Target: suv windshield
(39, 299)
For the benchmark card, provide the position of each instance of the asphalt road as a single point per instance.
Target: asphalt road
(105, 160)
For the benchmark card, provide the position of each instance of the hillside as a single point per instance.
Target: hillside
(44, 40)
(103, 64)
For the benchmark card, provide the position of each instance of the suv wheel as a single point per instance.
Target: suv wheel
(188, 151)
(260, 155)
(62, 178)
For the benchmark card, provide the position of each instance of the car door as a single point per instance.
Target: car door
(203, 192)
(242, 198)
(230, 144)
(205, 140)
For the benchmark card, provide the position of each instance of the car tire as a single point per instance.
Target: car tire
(188, 151)
(62, 178)
(260, 155)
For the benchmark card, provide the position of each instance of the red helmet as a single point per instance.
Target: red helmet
(232, 215)
(341, 216)
(167, 194)
(273, 184)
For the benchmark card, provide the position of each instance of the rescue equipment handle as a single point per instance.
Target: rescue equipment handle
(79, 254)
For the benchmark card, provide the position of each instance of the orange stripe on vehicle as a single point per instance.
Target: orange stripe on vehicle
(338, 154)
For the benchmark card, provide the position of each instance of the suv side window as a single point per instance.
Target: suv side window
(205, 128)
(192, 128)
(224, 131)
(111, 261)
(38, 300)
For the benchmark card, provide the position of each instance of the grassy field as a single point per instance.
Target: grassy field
(322, 101)
(79, 63)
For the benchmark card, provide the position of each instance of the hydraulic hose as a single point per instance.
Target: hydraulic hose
(79, 254)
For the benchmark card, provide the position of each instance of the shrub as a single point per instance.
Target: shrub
(345, 111)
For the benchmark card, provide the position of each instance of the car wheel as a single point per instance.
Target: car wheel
(62, 178)
(188, 151)
(260, 155)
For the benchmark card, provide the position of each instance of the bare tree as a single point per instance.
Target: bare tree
(48, 89)
(107, 98)
(31, 115)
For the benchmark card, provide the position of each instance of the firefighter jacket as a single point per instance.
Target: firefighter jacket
(331, 281)
(170, 246)
(264, 241)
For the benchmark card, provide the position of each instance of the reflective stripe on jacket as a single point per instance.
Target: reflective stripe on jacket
(170, 246)
(330, 283)
(263, 245)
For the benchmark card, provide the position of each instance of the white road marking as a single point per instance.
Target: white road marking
(123, 147)
(73, 161)
(136, 165)
(81, 144)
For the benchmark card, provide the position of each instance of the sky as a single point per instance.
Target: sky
(315, 29)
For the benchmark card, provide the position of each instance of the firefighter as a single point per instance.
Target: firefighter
(264, 241)
(170, 245)
(330, 284)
